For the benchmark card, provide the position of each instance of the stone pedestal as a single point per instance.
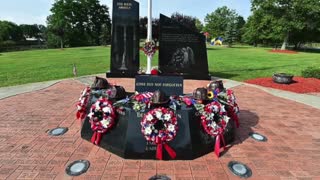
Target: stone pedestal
(127, 141)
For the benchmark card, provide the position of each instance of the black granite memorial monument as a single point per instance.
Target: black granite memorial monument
(127, 141)
(125, 39)
(182, 51)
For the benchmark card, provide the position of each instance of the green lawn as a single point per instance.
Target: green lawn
(242, 63)
(238, 63)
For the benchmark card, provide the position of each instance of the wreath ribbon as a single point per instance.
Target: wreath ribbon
(82, 103)
(160, 146)
(96, 138)
(233, 115)
(217, 144)
(97, 134)
(81, 114)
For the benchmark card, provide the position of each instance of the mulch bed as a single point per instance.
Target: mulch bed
(300, 85)
(283, 51)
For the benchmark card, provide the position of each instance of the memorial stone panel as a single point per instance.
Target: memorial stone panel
(170, 85)
(125, 39)
(181, 50)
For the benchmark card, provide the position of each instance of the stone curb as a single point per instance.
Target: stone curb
(306, 99)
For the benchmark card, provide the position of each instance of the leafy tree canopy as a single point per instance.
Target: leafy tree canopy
(186, 20)
(78, 23)
(283, 20)
(10, 31)
(226, 23)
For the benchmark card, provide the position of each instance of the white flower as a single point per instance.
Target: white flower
(147, 130)
(171, 127)
(213, 125)
(79, 107)
(215, 108)
(226, 119)
(90, 115)
(107, 110)
(97, 104)
(84, 92)
(167, 117)
(105, 123)
(223, 110)
(236, 110)
(159, 115)
(149, 117)
(210, 116)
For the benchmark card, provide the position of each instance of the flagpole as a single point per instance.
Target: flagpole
(149, 36)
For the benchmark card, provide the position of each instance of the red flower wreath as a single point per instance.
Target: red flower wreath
(149, 48)
(233, 109)
(102, 117)
(214, 120)
(160, 126)
(82, 103)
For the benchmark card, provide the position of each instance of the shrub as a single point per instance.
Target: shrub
(311, 72)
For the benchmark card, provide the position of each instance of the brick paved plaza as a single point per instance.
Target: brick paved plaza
(27, 152)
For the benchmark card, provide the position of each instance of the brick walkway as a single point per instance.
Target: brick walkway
(27, 152)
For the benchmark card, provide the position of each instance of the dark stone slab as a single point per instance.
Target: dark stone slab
(125, 39)
(127, 141)
(170, 85)
(181, 50)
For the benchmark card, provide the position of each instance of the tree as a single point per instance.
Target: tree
(225, 23)
(57, 23)
(30, 31)
(10, 31)
(286, 18)
(78, 23)
(143, 24)
(217, 22)
(252, 30)
(230, 35)
(240, 23)
(155, 29)
(199, 25)
(185, 20)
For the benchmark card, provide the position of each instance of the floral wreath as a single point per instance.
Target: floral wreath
(160, 126)
(141, 101)
(229, 99)
(82, 103)
(149, 48)
(102, 118)
(214, 121)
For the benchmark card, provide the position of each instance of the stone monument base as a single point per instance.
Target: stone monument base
(123, 74)
(197, 76)
(127, 141)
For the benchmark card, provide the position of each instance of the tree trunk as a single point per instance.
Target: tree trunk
(285, 42)
(255, 44)
(61, 43)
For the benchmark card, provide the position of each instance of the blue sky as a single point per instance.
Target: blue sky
(36, 11)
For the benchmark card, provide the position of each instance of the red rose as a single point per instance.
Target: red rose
(154, 72)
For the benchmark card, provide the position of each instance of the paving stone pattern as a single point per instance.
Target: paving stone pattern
(27, 152)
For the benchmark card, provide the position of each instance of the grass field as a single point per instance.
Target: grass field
(239, 63)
